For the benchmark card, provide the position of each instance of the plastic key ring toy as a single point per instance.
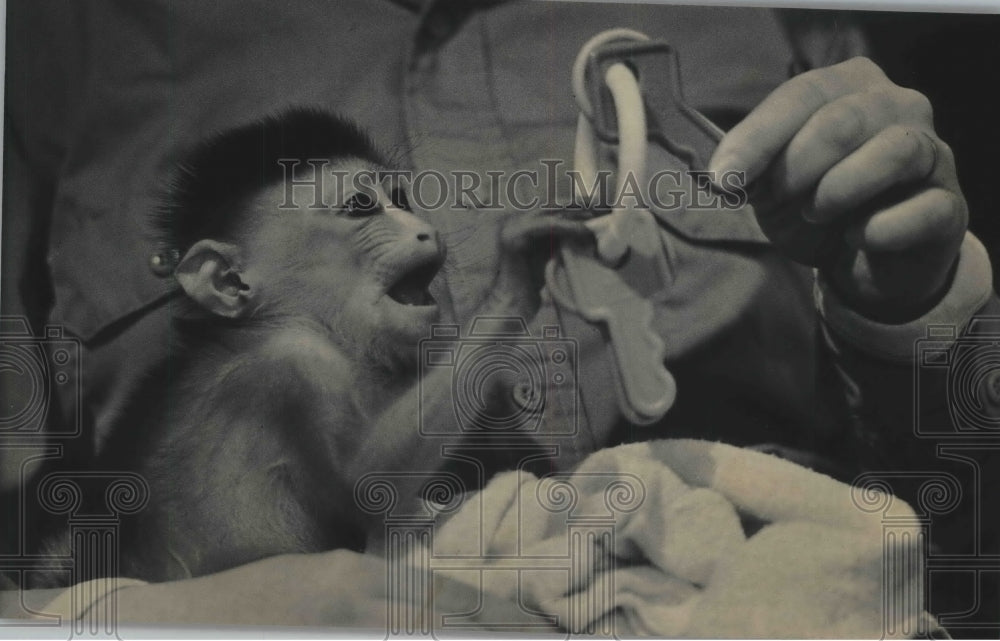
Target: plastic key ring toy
(611, 283)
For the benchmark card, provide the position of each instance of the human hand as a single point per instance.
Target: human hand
(846, 173)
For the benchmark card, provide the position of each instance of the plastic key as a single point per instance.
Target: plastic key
(619, 298)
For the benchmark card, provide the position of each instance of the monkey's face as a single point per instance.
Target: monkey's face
(355, 261)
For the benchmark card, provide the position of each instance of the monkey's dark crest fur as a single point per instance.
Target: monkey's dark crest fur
(211, 185)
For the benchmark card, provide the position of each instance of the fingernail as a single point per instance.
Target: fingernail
(729, 165)
(722, 164)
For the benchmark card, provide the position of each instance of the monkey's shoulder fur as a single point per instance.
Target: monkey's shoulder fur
(224, 433)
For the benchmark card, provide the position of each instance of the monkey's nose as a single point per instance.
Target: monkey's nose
(428, 240)
(429, 235)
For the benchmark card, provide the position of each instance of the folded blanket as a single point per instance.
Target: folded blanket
(683, 538)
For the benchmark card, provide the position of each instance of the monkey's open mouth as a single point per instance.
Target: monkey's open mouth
(412, 288)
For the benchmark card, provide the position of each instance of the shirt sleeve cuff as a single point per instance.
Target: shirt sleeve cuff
(969, 292)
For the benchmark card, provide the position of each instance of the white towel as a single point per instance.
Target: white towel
(680, 564)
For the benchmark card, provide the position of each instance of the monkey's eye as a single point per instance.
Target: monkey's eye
(361, 205)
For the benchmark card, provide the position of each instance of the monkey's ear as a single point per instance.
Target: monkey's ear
(211, 274)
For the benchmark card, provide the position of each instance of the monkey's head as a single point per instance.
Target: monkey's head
(288, 221)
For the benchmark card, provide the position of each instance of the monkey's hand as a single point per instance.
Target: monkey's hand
(848, 175)
(527, 243)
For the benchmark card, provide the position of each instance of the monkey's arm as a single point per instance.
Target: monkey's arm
(343, 427)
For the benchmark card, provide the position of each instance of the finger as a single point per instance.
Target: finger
(751, 145)
(835, 131)
(895, 157)
(521, 234)
(934, 216)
